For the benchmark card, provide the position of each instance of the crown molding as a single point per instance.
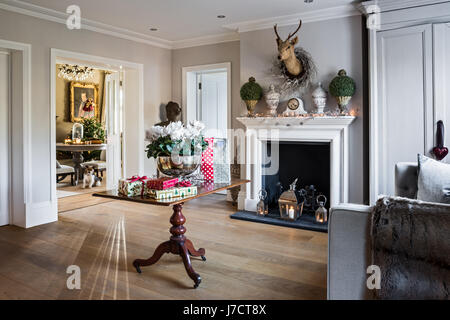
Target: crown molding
(32, 10)
(59, 17)
(206, 40)
(310, 16)
(390, 5)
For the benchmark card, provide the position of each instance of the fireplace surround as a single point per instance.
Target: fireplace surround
(323, 129)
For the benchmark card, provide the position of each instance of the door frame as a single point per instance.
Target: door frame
(206, 67)
(9, 143)
(21, 205)
(57, 56)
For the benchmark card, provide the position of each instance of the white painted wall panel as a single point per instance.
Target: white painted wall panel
(405, 99)
(441, 34)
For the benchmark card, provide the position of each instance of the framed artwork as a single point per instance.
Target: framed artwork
(83, 101)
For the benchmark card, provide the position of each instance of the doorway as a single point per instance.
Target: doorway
(207, 97)
(5, 137)
(120, 116)
(95, 104)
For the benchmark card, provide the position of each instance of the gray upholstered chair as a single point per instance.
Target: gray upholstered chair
(62, 171)
(98, 165)
(349, 252)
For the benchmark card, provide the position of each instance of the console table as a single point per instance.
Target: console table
(178, 243)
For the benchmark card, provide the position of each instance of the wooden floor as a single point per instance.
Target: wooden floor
(244, 260)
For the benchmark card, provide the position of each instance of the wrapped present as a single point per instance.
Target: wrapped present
(172, 193)
(162, 183)
(221, 162)
(207, 167)
(185, 183)
(134, 186)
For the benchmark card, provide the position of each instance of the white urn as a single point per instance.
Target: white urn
(272, 100)
(319, 97)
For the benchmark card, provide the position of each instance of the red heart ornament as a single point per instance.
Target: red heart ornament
(440, 153)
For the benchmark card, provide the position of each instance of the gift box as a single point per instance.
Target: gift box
(207, 166)
(133, 187)
(172, 193)
(162, 183)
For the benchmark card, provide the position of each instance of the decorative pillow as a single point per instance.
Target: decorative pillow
(433, 180)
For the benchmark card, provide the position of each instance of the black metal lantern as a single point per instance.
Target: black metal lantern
(262, 208)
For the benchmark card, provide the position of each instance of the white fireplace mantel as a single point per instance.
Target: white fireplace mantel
(260, 130)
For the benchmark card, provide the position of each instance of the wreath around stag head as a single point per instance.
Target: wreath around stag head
(294, 66)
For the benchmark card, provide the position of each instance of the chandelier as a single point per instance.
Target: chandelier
(77, 73)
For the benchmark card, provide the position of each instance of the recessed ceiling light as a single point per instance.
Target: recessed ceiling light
(221, 16)
(153, 29)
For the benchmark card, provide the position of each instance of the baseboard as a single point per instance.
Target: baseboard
(41, 213)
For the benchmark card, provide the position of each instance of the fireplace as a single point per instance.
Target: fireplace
(307, 161)
(325, 136)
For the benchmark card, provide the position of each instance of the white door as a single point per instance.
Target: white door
(405, 110)
(212, 102)
(441, 65)
(4, 138)
(113, 131)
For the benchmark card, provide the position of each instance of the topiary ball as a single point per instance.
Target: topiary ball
(251, 90)
(342, 85)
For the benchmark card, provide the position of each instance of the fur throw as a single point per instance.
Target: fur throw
(411, 245)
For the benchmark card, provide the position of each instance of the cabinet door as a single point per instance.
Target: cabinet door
(441, 34)
(405, 100)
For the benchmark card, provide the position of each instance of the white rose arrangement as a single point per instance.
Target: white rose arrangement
(177, 139)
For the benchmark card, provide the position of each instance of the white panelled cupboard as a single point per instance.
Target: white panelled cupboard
(409, 50)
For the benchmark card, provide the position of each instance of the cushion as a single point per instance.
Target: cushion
(433, 180)
(65, 170)
(95, 164)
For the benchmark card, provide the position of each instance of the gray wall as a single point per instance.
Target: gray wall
(44, 35)
(209, 54)
(333, 44)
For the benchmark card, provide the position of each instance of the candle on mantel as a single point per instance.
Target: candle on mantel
(77, 141)
(291, 213)
(67, 141)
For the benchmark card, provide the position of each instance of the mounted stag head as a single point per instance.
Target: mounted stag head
(286, 52)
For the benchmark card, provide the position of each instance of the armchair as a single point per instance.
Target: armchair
(349, 252)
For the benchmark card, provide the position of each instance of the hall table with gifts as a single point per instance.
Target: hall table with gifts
(178, 243)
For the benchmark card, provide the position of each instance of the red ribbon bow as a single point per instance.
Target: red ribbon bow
(138, 178)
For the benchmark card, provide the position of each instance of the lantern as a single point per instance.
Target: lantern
(261, 207)
(77, 133)
(321, 212)
(290, 209)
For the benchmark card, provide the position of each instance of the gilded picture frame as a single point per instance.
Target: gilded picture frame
(79, 93)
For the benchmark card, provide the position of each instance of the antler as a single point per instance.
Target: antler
(276, 32)
(291, 35)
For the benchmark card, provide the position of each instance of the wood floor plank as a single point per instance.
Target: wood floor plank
(244, 260)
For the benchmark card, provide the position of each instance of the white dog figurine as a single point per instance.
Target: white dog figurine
(90, 179)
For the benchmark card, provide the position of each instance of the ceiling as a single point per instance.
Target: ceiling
(178, 20)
